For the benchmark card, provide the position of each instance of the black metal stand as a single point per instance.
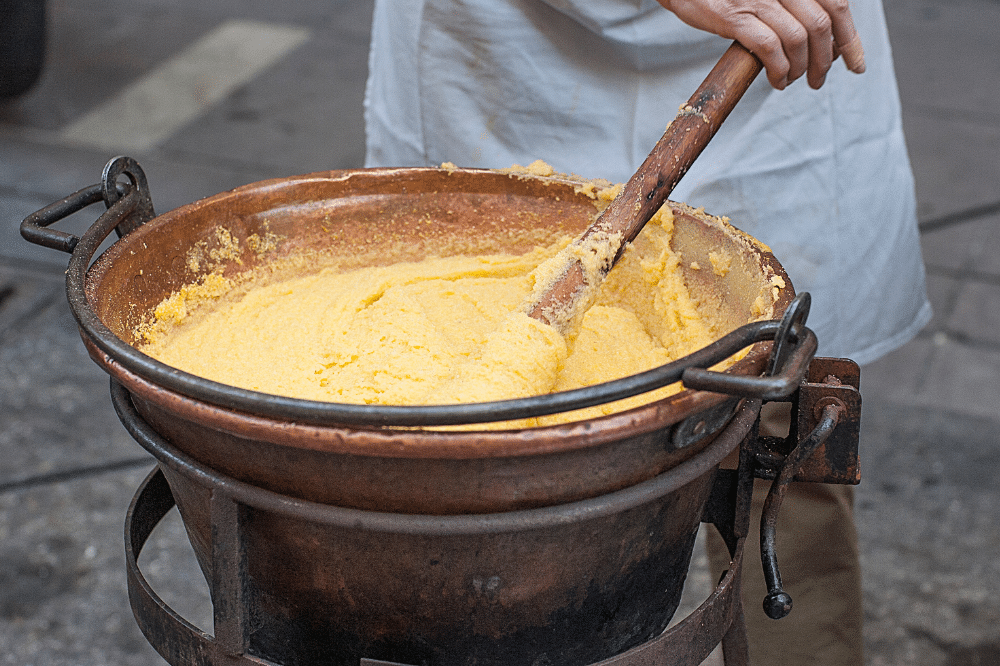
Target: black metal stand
(719, 620)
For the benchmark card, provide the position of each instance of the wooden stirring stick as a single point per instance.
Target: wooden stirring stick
(686, 136)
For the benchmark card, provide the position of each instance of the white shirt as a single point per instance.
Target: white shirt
(821, 176)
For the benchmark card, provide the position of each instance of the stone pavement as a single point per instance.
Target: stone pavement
(927, 507)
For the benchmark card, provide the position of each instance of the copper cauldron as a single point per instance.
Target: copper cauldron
(349, 582)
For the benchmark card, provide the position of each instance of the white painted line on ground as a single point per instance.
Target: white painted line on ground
(145, 113)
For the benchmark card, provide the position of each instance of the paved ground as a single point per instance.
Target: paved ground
(927, 506)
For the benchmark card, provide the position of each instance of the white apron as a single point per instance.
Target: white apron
(822, 176)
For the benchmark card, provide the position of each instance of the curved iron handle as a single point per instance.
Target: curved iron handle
(777, 602)
(133, 211)
(794, 347)
(33, 227)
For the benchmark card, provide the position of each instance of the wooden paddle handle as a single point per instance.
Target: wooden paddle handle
(686, 136)
(646, 191)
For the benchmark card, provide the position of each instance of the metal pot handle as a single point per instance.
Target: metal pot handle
(794, 348)
(131, 203)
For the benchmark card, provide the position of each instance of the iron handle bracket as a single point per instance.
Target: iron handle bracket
(832, 382)
(829, 381)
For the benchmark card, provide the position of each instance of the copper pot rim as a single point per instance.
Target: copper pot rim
(325, 425)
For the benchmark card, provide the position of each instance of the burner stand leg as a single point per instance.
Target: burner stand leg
(735, 644)
(176, 640)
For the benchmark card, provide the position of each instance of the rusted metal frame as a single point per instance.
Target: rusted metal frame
(821, 447)
(687, 643)
(728, 507)
(736, 643)
(717, 620)
(173, 637)
(831, 381)
(721, 508)
(827, 406)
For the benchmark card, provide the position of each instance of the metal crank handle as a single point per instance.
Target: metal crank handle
(778, 603)
(128, 206)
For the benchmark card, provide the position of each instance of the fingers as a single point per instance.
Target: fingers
(791, 37)
(811, 33)
(854, 54)
(845, 36)
(777, 36)
(761, 39)
(818, 25)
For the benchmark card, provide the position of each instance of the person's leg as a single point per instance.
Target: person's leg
(817, 554)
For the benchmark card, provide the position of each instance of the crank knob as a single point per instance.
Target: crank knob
(777, 604)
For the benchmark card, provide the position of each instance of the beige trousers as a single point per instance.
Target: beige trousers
(817, 552)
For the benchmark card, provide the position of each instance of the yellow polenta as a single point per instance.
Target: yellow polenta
(442, 330)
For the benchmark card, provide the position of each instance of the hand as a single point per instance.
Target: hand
(791, 37)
